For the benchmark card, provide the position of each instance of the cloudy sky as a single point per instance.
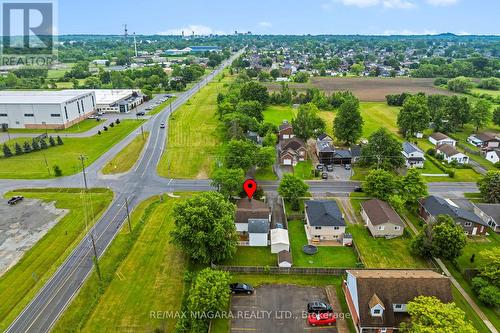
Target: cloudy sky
(281, 16)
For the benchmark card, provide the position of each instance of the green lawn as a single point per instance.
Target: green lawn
(470, 314)
(19, 284)
(143, 272)
(377, 115)
(253, 256)
(126, 158)
(32, 165)
(275, 114)
(303, 170)
(265, 174)
(327, 256)
(193, 139)
(80, 127)
(493, 93)
(474, 246)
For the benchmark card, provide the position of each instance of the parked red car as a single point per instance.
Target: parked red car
(321, 319)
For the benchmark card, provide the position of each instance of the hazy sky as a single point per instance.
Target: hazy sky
(280, 16)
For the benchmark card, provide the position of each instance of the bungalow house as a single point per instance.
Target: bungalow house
(378, 299)
(489, 213)
(324, 220)
(492, 155)
(381, 219)
(292, 151)
(484, 140)
(451, 154)
(438, 139)
(433, 206)
(250, 209)
(285, 131)
(258, 232)
(413, 155)
(285, 259)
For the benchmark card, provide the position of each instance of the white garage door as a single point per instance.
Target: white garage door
(287, 162)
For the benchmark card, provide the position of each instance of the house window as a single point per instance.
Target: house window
(381, 227)
(336, 228)
(55, 115)
(29, 115)
(376, 312)
(317, 228)
(3, 114)
(398, 306)
(397, 227)
(78, 105)
(468, 224)
(66, 113)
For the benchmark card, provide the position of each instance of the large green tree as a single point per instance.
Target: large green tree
(380, 184)
(383, 151)
(429, 315)
(204, 227)
(292, 188)
(308, 123)
(251, 108)
(228, 181)
(413, 187)
(254, 91)
(414, 117)
(480, 114)
(240, 154)
(348, 123)
(496, 116)
(489, 186)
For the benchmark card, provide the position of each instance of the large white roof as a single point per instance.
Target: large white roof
(279, 236)
(110, 96)
(39, 97)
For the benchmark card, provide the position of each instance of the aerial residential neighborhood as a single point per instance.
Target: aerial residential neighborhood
(232, 167)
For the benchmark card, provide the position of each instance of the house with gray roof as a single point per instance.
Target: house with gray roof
(432, 206)
(451, 154)
(324, 221)
(489, 213)
(414, 156)
(258, 232)
(381, 219)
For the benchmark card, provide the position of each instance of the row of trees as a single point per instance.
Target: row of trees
(27, 147)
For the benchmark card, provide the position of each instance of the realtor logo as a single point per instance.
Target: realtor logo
(27, 28)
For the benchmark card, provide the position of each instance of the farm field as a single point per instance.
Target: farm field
(19, 284)
(126, 159)
(193, 140)
(368, 89)
(32, 165)
(139, 278)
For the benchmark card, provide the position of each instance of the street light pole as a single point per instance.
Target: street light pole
(82, 158)
(128, 215)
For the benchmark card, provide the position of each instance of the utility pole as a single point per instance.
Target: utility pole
(82, 158)
(46, 163)
(96, 258)
(128, 215)
(142, 131)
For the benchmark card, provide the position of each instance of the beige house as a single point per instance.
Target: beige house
(381, 219)
(324, 221)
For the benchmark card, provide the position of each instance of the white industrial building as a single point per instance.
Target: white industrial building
(117, 100)
(45, 109)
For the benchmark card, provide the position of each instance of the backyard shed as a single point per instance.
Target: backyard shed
(279, 240)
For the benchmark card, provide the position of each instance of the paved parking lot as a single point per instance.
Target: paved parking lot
(277, 309)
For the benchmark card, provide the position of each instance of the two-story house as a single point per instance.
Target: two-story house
(285, 131)
(414, 156)
(292, 151)
(324, 221)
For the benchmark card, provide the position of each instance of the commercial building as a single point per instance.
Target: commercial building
(45, 109)
(117, 100)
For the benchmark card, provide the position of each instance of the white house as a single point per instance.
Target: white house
(413, 155)
(438, 139)
(324, 221)
(450, 154)
(258, 232)
(492, 156)
(279, 240)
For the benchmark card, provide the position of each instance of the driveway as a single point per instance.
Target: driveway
(277, 309)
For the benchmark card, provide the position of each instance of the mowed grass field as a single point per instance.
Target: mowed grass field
(126, 158)
(19, 284)
(193, 140)
(142, 272)
(81, 127)
(32, 165)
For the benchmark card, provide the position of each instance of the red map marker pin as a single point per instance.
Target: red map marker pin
(250, 186)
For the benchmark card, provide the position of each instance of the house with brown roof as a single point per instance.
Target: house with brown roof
(378, 299)
(292, 151)
(451, 154)
(285, 131)
(250, 209)
(484, 140)
(438, 139)
(381, 219)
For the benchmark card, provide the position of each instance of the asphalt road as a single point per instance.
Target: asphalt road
(138, 184)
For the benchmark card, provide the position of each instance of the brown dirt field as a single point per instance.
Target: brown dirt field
(368, 89)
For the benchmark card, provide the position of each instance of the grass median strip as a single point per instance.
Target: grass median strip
(32, 165)
(126, 158)
(81, 127)
(19, 284)
(141, 273)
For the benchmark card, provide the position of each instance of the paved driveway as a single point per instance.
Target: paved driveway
(277, 309)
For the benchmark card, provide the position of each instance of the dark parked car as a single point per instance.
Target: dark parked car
(141, 113)
(320, 167)
(324, 175)
(329, 168)
(347, 167)
(15, 200)
(319, 307)
(241, 288)
(358, 189)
